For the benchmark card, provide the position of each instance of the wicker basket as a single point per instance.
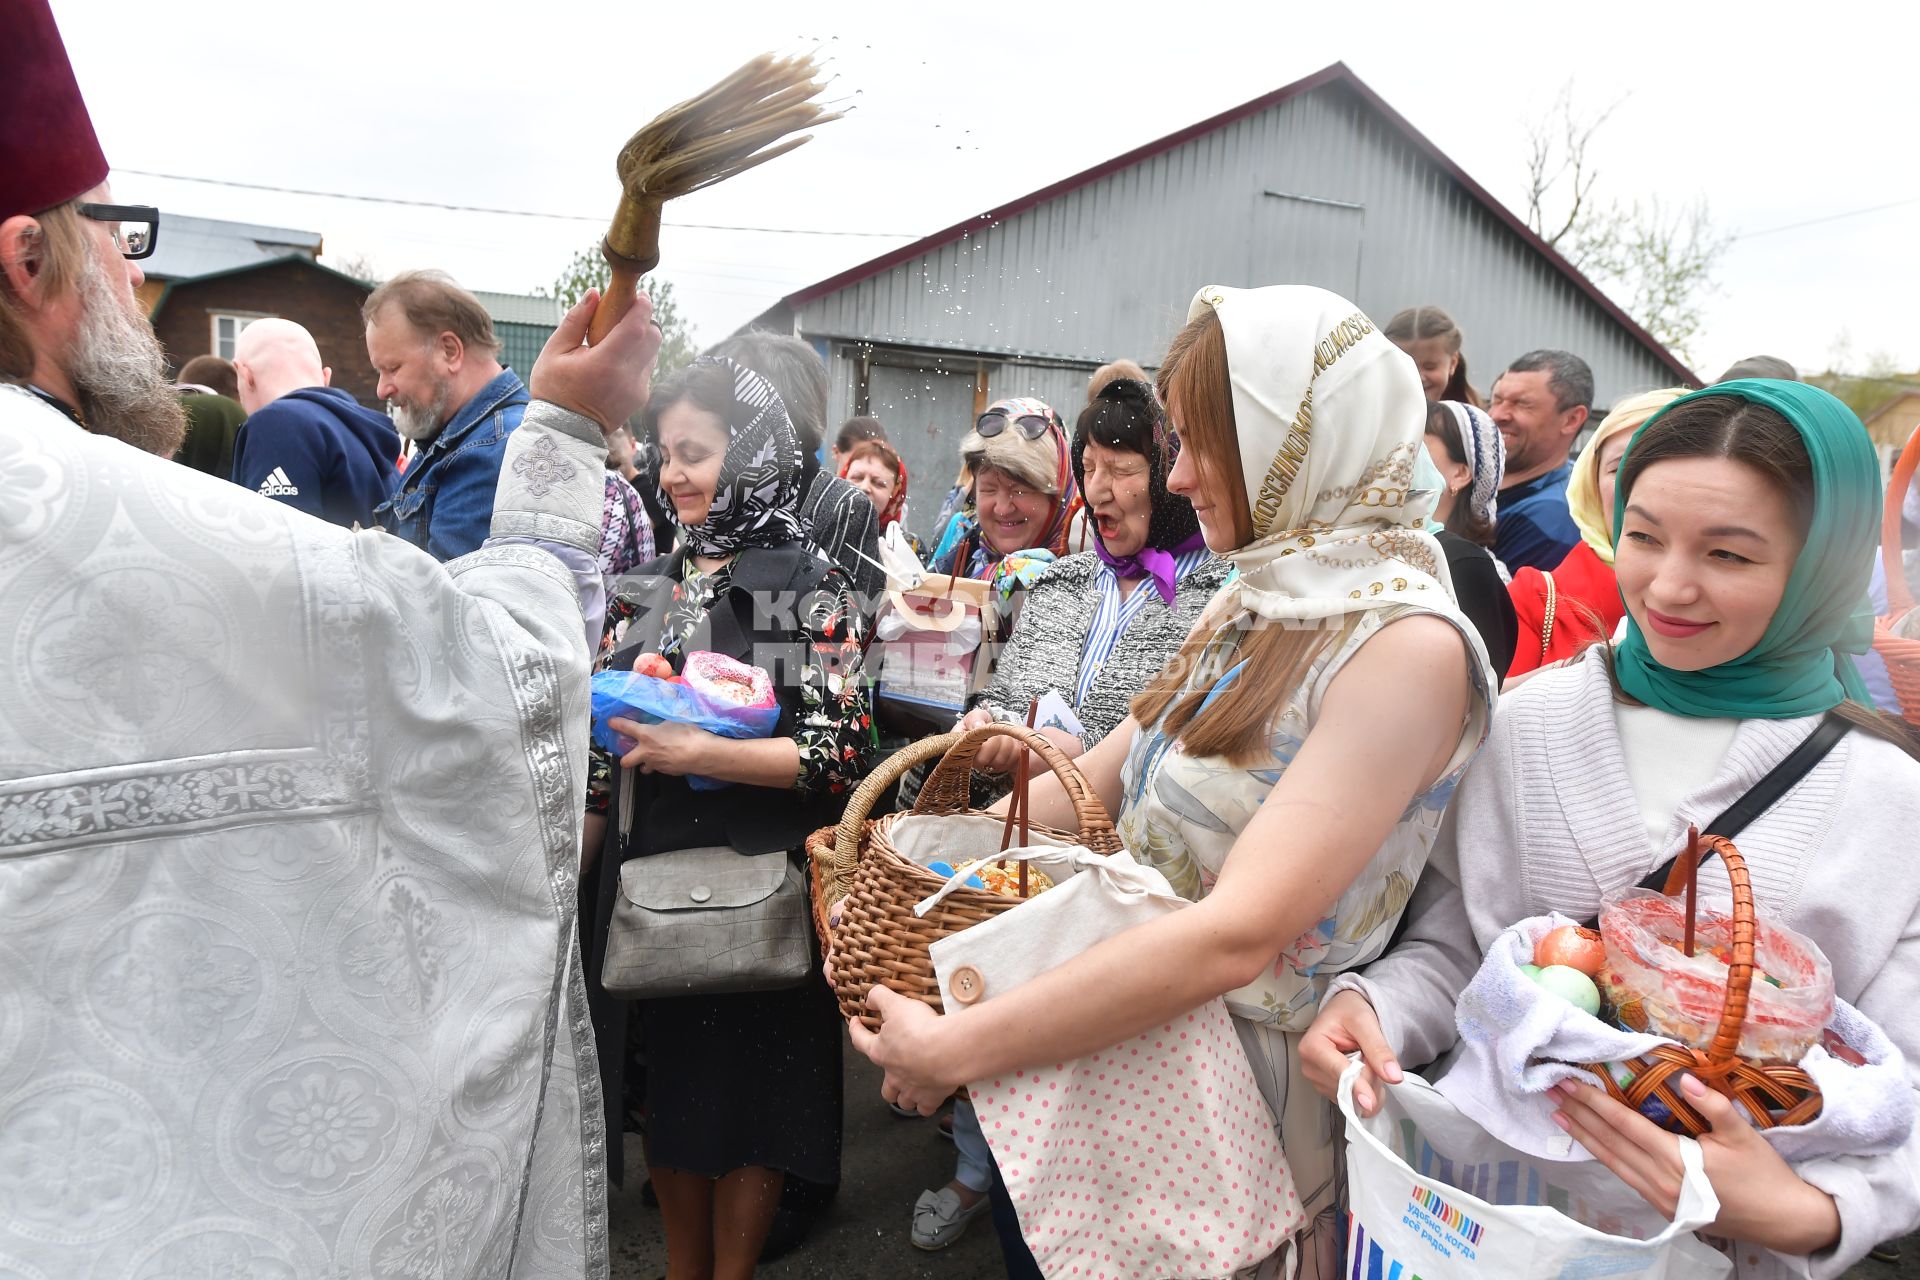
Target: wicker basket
(833, 875)
(879, 938)
(1902, 655)
(1759, 1090)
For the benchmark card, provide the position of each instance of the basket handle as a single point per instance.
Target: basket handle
(1899, 598)
(946, 788)
(846, 839)
(1724, 1050)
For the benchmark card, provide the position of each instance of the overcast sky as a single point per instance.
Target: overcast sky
(1796, 115)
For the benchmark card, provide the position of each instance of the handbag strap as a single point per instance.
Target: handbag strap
(1762, 795)
(1546, 624)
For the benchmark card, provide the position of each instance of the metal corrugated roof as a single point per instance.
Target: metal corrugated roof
(1189, 203)
(190, 246)
(520, 308)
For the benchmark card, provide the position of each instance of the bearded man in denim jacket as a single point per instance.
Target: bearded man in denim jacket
(432, 345)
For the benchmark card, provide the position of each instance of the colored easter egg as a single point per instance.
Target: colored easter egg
(1574, 947)
(1531, 971)
(1571, 985)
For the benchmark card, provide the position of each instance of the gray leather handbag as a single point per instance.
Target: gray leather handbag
(707, 922)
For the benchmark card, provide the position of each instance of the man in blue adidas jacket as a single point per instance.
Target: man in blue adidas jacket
(305, 443)
(432, 345)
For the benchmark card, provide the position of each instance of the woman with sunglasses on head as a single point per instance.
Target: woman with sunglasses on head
(1023, 497)
(1287, 770)
(1744, 520)
(1098, 625)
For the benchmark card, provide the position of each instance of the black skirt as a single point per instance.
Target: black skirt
(745, 1080)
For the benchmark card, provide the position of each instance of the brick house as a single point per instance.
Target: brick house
(205, 314)
(208, 279)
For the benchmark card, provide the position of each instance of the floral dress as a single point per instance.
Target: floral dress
(1182, 815)
(833, 727)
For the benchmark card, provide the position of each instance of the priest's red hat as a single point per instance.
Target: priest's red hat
(48, 151)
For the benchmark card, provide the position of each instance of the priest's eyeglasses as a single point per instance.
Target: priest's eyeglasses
(135, 227)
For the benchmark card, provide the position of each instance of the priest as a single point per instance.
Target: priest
(289, 814)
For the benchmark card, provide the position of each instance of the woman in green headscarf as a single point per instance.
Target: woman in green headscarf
(1745, 521)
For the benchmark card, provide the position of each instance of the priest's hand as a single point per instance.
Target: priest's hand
(1762, 1199)
(607, 382)
(908, 1049)
(674, 749)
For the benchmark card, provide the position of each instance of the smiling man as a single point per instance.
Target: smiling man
(432, 345)
(1540, 403)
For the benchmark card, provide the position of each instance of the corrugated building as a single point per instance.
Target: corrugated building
(1320, 182)
(523, 324)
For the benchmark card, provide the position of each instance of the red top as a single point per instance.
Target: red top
(1585, 592)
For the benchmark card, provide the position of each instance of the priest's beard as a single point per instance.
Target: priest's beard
(422, 422)
(119, 372)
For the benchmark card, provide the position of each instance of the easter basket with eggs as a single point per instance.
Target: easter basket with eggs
(1741, 999)
(1665, 987)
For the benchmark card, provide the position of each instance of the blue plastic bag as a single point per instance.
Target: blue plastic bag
(651, 700)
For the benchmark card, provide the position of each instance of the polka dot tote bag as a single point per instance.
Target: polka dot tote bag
(1156, 1157)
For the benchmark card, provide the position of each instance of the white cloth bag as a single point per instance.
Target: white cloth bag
(1431, 1194)
(1156, 1157)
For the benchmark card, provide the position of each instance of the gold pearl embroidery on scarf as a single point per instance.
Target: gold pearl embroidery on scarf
(1293, 448)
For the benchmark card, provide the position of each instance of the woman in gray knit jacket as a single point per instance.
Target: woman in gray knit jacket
(1097, 626)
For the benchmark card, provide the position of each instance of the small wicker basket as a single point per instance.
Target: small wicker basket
(879, 938)
(1769, 1094)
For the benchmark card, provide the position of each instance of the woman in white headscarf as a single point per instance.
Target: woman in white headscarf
(1288, 770)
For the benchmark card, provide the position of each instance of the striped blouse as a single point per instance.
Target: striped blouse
(1114, 613)
(1073, 621)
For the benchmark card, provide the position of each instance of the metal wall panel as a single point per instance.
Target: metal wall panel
(1107, 270)
(926, 404)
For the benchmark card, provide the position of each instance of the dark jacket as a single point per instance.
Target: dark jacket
(320, 450)
(213, 422)
(667, 813)
(841, 524)
(444, 500)
(1482, 597)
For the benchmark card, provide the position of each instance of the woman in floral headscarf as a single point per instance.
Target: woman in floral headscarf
(1289, 769)
(743, 1091)
(1022, 502)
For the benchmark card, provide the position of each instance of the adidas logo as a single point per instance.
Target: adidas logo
(276, 485)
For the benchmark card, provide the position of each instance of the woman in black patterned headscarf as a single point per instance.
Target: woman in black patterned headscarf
(751, 497)
(743, 1090)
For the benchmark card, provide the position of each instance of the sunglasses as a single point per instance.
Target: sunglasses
(135, 227)
(992, 423)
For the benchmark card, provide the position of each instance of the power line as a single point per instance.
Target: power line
(511, 213)
(1831, 217)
